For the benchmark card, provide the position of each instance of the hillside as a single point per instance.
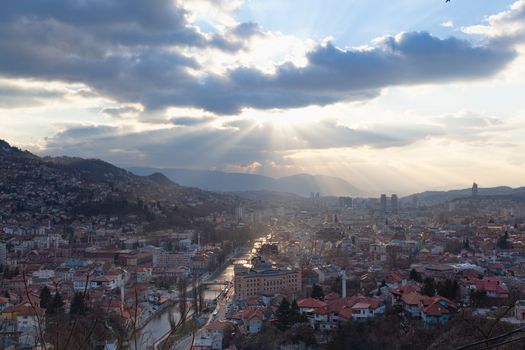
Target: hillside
(60, 189)
(439, 197)
(300, 184)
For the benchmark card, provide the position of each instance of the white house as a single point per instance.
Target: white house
(253, 320)
(367, 309)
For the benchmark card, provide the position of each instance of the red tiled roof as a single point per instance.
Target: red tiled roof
(310, 303)
(493, 285)
(361, 305)
(23, 310)
(331, 296)
(412, 298)
(251, 313)
(346, 313)
(219, 326)
(437, 306)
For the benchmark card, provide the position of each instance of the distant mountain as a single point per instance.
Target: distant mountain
(300, 184)
(438, 197)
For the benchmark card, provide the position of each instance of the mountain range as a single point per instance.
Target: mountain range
(300, 184)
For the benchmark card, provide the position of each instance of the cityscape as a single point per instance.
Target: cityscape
(262, 175)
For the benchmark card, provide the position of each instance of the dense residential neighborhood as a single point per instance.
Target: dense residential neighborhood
(303, 273)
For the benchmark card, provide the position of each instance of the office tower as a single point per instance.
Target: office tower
(394, 203)
(383, 202)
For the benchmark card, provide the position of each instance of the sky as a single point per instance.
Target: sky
(394, 97)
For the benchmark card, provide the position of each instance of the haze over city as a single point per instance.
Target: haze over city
(390, 96)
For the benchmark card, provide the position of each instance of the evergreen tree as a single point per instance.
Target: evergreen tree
(283, 315)
(45, 297)
(503, 241)
(295, 314)
(448, 289)
(317, 292)
(57, 304)
(415, 276)
(429, 287)
(78, 306)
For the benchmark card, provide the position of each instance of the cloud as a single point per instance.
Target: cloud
(137, 52)
(236, 144)
(121, 112)
(506, 27)
(247, 30)
(447, 24)
(12, 96)
(190, 121)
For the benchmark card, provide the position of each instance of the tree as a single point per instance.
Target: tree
(45, 298)
(283, 315)
(182, 286)
(57, 304)
(429, 287)
(317, 292)
(448, 289)
(478, 298)
(503, 241)
(295, 315)
(78, 306)
(415, 276)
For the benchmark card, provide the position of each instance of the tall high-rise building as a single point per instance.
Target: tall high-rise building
(345, 202)
(474, 189)
(394, 203)
(383, 202)
(239, 214)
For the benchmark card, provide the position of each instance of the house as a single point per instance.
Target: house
(253, 320)
(107, 281)
(436, 310)
(29, 321)
(493, 286)
(410, 303)
(213, 335)
(367, 308)
(409, 287)
(308, 306)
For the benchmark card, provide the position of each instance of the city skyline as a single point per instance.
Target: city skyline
(393, 98)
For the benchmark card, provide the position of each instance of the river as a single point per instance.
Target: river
(159, 325)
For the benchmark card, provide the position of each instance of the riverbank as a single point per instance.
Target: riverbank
(159, 331)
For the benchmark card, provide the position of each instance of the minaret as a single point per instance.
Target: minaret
(199, 241)
(343, 280)
(122, 298)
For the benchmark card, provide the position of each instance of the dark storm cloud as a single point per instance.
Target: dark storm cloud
(129, 50)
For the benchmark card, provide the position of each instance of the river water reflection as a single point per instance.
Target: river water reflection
(160, 324)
